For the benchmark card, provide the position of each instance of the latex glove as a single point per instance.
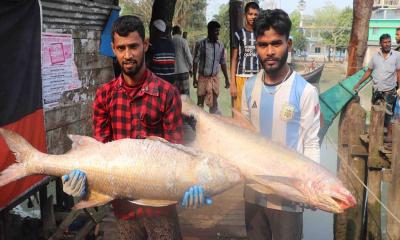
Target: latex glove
(194, 198)
(74, 183)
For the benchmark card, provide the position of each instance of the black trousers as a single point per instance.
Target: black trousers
(270, 224)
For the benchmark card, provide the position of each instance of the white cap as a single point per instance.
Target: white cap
(160, 25)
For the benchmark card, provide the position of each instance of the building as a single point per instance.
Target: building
(385, 18)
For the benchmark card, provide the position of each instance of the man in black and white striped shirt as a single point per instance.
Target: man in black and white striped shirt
(244, 61)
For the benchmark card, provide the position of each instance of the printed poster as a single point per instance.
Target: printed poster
(59, 72)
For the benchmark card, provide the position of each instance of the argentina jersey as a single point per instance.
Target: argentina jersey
(248, 63)
(287, 113)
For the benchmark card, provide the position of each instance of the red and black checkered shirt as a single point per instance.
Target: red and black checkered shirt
(155, 110)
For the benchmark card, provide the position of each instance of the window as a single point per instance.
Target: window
(317, 50)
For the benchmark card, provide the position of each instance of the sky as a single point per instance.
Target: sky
(287, 5)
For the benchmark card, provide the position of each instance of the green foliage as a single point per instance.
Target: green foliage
(299, 40)
(223, 18)
(336, 24)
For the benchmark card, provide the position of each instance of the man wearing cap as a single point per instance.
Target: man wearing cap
(209, 54)
(161, 54)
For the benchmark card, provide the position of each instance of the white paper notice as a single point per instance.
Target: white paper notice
(59, 72)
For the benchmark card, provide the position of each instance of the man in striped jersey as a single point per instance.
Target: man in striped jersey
(160, 56)
(244, 61)
(284, 108)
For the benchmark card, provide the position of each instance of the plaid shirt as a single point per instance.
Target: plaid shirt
(155, 110)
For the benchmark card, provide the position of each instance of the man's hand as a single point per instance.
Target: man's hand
(233, 90)
(194, 198)
(227, 84)
(74, 183)
(190, 73)
(195, 83)
(398, 92)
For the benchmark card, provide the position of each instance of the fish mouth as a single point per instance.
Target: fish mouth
(336, 203)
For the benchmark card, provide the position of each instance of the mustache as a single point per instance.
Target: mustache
(129, 62)
(270, 59)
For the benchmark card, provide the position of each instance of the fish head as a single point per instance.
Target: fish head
(332, 196)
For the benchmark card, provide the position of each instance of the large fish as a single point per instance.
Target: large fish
(151, 172)
(275, 169)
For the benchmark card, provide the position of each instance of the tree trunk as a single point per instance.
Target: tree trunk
(235, 17)
(362, 10)
(163, 9)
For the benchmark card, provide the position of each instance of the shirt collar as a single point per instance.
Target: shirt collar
(381, 53)
(149, 85)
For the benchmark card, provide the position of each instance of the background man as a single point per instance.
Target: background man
(385, 69)
(136, 104)
(183, 61)
(244, 61)
(209, 53)
(397, 39)
(285, 108)
(161, 54)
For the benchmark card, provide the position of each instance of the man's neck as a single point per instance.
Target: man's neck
(280, 76)
(133, 80)
(248, 27)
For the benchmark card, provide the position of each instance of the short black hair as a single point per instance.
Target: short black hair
(127, 24)
(397, 29)
(277, 19)
(252, 5)
(176, 30)
(384, 36)
(213, 25)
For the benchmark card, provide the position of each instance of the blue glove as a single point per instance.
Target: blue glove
(74, 183)
(194, 198)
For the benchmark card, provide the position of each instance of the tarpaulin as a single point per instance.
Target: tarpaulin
(21, 86)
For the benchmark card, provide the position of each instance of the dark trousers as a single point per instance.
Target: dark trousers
(267, 224)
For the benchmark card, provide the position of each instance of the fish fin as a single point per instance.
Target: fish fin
(81, 141)
(94, 199)
(289, 188)
(242, 121)
(180, 147)
(156, 138)
(12, 173)
(284, 180)
(154, 203)
(22, 149)
(239, 121)
(260, 188)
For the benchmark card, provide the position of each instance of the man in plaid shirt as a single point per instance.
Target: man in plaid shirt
(136, 104)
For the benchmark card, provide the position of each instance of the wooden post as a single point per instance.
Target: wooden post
(375, 165)
(375, 134)
(348, 225)
(393, 227)
(235, 23)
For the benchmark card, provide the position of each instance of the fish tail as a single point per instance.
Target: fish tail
(189, 108)
(23, 152)
(12, 173)
(21, 148)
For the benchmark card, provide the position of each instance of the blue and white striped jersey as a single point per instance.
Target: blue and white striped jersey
(287, 113)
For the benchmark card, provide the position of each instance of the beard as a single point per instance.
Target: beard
(273, 70)
(134, 70)
(386, 50)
